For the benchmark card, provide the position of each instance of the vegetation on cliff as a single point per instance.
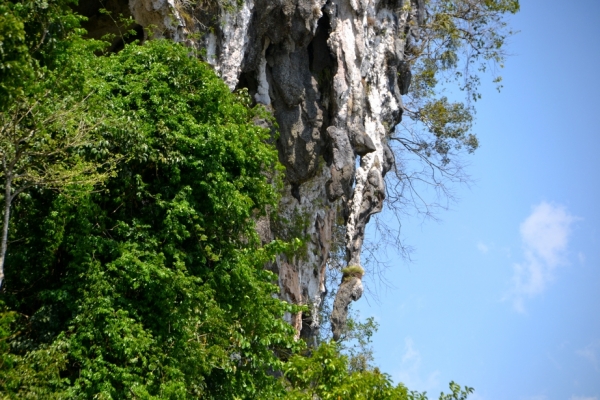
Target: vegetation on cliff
(133, 267)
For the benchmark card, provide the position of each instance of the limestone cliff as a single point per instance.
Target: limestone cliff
(328, 70)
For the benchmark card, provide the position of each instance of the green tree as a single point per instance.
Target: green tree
(457, 43)
(49, 121)
(153, 286)
(15, 59)
(325, 375)
(34, 36)
(328, 374)
(47, 142)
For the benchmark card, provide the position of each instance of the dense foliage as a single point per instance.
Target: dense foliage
(151, 285)
(133, 268)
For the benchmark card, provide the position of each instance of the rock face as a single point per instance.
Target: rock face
(332, 73)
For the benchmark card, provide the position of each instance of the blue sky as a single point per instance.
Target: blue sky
(504, 293)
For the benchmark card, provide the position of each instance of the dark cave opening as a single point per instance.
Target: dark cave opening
(319, 56)
(248, 81)
(110, 17)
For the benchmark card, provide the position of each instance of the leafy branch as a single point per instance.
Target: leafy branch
(50, 142)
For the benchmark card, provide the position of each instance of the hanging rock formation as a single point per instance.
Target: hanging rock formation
(332, 73)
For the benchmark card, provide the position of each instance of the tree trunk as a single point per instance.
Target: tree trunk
(7, 203)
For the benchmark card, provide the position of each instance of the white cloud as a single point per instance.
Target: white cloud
(590, 353)
(482, 247)
(582, 398)
(545, 236)
(546, 232)
(410, 372)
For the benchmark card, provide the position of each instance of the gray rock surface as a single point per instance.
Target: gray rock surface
(332, 72)
(350, 289)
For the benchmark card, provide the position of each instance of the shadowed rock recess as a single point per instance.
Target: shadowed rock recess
(332, 73)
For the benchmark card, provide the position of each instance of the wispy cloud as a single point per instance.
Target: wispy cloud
(553, 361)
(590, 353)
(582, 398)
(545, 237)
(482, 247)
(410, 372)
